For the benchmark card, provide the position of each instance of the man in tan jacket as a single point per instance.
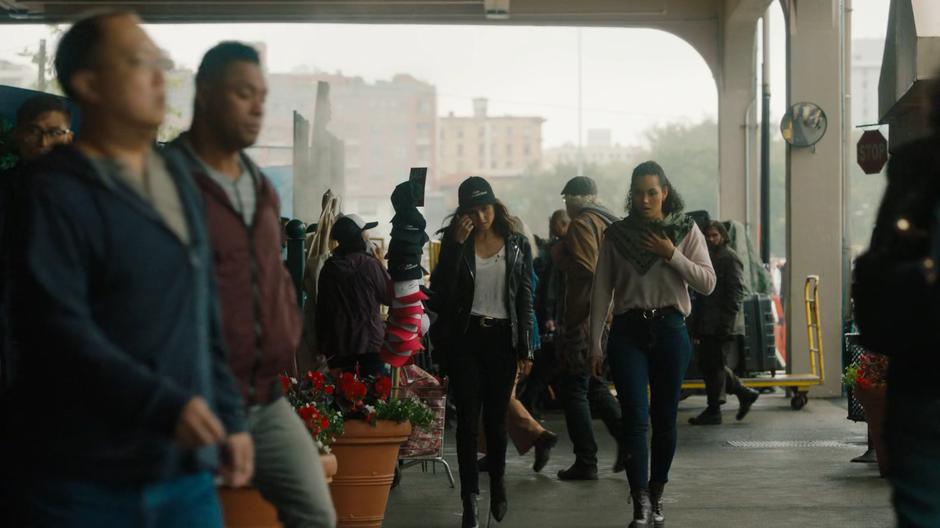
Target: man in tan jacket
(581, 391)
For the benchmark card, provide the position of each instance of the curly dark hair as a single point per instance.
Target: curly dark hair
(673, 203)
(504, 223)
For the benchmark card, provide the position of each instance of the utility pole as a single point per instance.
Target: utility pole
(41, 62)
(580, 112)
(765, 143)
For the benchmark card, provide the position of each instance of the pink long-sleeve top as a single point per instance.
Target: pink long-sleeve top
(619, 285)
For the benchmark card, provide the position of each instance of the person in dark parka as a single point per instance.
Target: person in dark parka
(715, 325)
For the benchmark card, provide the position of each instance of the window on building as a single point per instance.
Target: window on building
(460, 150)
(493, 164)
(459, 133)
(527, 150)
(481, 150)
(508, 150)
(508, 131)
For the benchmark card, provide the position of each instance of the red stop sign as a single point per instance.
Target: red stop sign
(872, 152)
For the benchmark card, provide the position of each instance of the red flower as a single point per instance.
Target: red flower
(353, 389)
(285, 382)
(325, 422)
(316, 378)
(383, 387)
(328, 389)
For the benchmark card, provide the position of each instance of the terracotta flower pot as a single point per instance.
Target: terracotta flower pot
(329, 466)
(367, 456)
(873, 401)
(246, 508)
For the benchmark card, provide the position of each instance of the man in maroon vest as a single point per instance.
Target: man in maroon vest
(260, 318)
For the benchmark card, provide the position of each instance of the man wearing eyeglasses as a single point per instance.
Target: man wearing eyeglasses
(42, 122)
(122, 404)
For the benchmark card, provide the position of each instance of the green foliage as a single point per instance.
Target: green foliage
(406, 409)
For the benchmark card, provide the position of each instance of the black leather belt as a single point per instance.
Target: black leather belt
(488, 322)
(653, 314)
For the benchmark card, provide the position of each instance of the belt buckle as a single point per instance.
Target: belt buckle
(649, 315)
(486, 322)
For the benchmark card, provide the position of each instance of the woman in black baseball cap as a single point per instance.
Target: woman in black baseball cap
(483, 297)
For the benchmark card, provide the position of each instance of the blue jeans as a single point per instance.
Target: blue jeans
(184, 501)
(654, 352)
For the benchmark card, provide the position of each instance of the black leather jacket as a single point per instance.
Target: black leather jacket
(452, 282)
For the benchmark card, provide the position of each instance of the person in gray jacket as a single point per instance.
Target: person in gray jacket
(716, 323)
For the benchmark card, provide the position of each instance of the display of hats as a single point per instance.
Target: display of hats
(407, 321)
(408, 249)
(410, 219)
(411, 236)
(405, 271)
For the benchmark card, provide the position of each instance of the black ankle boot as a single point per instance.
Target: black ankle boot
(656, 498)
(471, 511)
(498, 504)
(746, 399)
(642, 509)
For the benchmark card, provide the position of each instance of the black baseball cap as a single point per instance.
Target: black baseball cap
(580, 186)
(349, 227)
(475, 192)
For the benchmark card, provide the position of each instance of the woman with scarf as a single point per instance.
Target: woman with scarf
(646, 265)
(483, 297)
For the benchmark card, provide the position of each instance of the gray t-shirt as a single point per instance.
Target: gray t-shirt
(241, 192)
(155, 186)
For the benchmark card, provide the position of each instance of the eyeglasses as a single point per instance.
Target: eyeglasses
(37, 134)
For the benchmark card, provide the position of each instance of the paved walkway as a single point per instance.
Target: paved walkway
(713, 484)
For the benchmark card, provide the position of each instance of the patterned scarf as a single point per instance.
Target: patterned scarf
(627, 237)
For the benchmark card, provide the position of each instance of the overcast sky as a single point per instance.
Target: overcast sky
(632, 78)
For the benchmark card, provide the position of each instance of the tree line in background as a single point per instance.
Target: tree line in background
(689, 155)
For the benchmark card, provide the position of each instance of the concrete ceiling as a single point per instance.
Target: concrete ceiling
(520, 12)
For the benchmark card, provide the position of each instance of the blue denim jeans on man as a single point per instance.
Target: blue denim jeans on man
(189, 500)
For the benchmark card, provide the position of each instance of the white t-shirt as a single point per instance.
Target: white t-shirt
(489, 290)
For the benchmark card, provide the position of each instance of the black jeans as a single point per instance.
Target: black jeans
(653, 352)
(912, 426)
(718, 377)
(583, 394)
(482, 373)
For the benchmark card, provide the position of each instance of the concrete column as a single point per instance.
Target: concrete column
(738, 152)
(815, 183)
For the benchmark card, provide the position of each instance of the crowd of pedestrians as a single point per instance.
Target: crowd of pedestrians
(147, 312)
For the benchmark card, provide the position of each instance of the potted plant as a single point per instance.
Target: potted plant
(363, 424)
(867, 378)
(313, 399)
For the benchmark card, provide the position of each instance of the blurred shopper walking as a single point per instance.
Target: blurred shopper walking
(352, 288)
(647, 263)
(260, 317)
(716, 323)
(895, 294)
(483, 298)
(115, 303)
(582, 390)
